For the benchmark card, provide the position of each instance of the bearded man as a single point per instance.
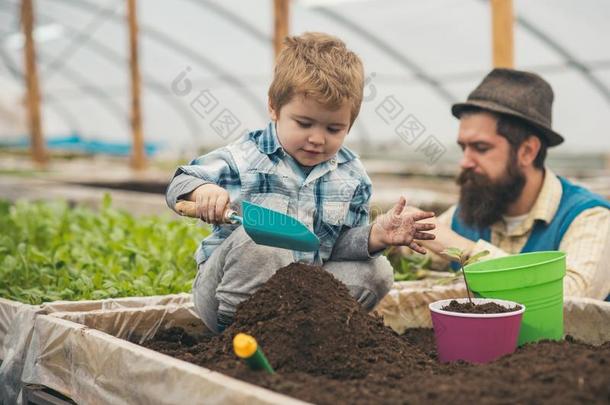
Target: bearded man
(510, 202)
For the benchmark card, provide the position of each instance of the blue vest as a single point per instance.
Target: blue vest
(574, 200)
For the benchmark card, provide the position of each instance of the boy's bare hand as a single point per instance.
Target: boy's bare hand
(212, 202)
(400, 227)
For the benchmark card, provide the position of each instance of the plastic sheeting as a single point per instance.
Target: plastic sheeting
(115, 303)
(423, 54)
(14, 354)
(587, 319)
(93, 367)
(9, 308)
(17, 324)
(8, 311)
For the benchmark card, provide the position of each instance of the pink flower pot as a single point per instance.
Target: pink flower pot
(476, 338)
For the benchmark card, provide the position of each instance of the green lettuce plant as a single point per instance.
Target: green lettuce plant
(50, 251)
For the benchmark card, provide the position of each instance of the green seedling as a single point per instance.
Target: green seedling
(462, 258)
(50, 251)
(407, 267)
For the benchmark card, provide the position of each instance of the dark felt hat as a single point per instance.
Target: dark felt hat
(516, 93)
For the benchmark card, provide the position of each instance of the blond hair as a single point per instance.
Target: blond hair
(319, 66)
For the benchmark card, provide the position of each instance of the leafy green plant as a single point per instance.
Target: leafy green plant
(463, 259)
(49, 251)
(409, 266)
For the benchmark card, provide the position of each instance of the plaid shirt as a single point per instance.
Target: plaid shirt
(330, 199)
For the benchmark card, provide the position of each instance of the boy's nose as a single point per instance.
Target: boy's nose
(317, 138)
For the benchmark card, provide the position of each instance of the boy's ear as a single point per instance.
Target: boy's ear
(272, 113)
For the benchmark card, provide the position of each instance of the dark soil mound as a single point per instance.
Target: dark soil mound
(326, 349)
(307, 321)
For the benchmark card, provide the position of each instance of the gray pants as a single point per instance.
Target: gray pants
(239, 267)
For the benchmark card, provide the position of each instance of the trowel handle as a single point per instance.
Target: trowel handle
(189, 209)
(231, 217)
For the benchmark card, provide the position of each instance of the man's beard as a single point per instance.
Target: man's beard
(483, 201)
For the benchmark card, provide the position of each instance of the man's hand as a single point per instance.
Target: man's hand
(212, 202)
(400, 227)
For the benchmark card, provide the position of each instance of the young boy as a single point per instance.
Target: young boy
(298, 166)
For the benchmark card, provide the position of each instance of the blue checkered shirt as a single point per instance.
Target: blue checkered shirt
(331, 199)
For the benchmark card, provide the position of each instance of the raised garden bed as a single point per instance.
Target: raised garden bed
(323, 347)
(14, 315)
(17, 322)
(90, 366)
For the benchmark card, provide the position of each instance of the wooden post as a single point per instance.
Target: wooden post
(37, 148)
(281, 13)
(138, 157)
(502, 33)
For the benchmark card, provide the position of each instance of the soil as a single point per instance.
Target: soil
(325, 349)
(487, 308)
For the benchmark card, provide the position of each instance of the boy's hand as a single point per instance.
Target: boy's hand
(212, 202)
(400, 227)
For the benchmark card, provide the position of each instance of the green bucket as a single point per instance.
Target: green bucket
(532, 279)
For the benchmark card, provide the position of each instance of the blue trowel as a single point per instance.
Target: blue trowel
(265, 226)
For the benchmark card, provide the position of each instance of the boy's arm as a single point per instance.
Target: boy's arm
(216, 167)
(353, 242)
(400, 226)
(181, 186)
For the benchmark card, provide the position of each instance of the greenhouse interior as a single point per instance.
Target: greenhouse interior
(304, 201)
